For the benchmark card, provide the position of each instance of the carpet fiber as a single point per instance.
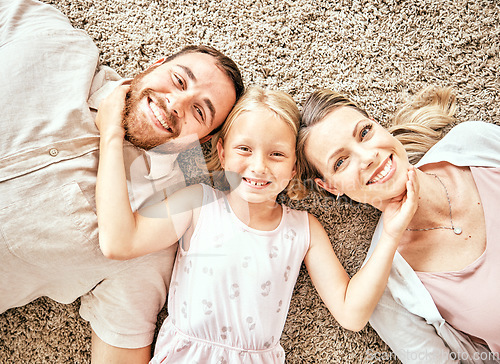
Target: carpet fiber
(379, 52)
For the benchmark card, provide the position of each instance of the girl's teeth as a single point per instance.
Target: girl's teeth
(253, 183)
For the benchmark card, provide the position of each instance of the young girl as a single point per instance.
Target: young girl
(240, 252)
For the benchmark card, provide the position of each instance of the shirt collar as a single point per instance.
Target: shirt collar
(105, 81)
(163, 157)
(161, 164)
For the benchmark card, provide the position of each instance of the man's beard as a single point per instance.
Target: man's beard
(138, 130)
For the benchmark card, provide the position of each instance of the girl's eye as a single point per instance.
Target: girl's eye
(277, 154)
(364, 132)
(244, 149)
(338, 163)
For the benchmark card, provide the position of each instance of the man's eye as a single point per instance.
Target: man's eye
(179, 81)
(198, 110)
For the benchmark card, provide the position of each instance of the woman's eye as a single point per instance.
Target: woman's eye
(365, 130)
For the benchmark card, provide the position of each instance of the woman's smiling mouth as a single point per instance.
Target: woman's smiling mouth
(384, 172)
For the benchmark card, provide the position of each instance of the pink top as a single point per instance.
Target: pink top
(469, 299)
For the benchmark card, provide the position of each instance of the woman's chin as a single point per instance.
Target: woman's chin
(381, 200)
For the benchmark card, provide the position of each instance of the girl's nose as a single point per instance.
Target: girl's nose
(258, 163)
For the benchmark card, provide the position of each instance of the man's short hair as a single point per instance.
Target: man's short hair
(225, 63)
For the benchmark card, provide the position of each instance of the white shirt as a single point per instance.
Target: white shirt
(49, 152)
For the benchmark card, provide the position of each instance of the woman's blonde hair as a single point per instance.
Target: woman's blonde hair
(421, 123)
(418, 125)
(282, 105)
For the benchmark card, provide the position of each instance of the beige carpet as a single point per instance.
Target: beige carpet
(380, 52)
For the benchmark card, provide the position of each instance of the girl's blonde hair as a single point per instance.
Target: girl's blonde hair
(282, 105)
(418, 125)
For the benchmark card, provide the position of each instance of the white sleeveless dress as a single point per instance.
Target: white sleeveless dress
(230, 292)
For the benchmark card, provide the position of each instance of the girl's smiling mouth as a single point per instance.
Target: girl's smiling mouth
(256, 182)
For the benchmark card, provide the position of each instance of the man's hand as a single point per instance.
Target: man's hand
(110, 114)
(399, 212)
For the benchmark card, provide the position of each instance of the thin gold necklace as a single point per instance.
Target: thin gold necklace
(456, 229)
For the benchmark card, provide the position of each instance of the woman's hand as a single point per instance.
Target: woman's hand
(400, 210)
(110, 114)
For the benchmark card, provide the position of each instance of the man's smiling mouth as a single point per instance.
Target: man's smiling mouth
(157, 113)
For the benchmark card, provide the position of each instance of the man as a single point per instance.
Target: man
(50, 92)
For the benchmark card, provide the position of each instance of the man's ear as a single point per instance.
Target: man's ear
(206, 138)
(333, 190)
(220, 152)
(158, 63)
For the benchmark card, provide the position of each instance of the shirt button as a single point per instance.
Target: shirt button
(53, 152)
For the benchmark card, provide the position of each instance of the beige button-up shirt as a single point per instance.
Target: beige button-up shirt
(49, 149)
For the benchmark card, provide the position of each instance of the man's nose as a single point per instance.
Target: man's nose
(177, 103)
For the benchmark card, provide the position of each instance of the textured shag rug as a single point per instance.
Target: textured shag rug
(379, 52)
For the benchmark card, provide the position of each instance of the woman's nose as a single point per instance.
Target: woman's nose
(368, 158)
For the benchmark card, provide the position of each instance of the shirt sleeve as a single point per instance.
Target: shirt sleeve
(408, 335)
(471, 143)
(28, 18)
(46, 71)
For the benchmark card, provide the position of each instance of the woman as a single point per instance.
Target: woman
(441, 302)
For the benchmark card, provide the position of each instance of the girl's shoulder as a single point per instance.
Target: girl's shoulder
(308, 223)
(199, 190)
(187, 198)
(194, 191)
(298, 216)
(208, 193)
(208, 196)
(315, 225)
